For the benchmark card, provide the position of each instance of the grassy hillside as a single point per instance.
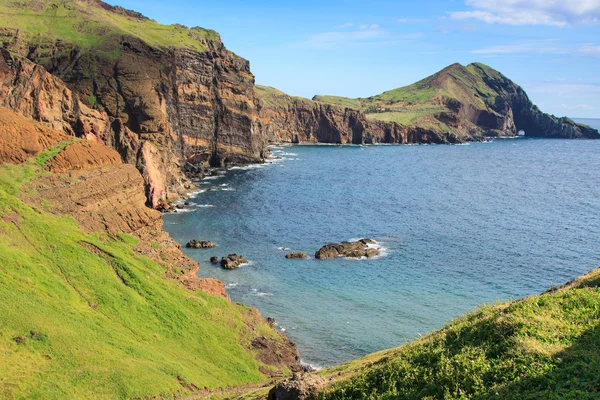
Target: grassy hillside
(276, 99)
(87, 23)
(544, 346)
(84, 316)
(417, 104)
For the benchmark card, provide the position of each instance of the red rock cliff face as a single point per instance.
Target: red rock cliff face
(295, 120)
(162, 109)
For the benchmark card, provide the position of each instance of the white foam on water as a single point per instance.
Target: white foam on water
(316, 367)
(205, 206)
(257, 293)
(195, 193)
(232, 285)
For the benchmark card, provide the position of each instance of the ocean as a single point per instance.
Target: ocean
(460, 226)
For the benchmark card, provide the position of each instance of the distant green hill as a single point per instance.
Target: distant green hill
(463, 99)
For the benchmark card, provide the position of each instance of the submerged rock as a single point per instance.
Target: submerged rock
(357, 249)
(200, 244)
(297, 255)
(233, 261)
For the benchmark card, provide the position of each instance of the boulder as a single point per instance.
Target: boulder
(357, 249)
(299, 387)
(297, 255)
(214, 260)
(200, 244)
(233, 261)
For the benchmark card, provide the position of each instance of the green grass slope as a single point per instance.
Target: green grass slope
(541, 347)
(87, 23)
(84, 316)
(416, 104)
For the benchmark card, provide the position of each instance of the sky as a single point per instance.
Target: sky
(358, 48)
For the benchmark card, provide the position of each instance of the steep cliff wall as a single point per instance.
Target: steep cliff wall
(457, 104)
(297, 120)
(165, 97)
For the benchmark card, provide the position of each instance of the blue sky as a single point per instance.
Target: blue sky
(357, 48)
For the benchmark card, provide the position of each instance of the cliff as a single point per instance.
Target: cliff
(454, 105)
(95, 297)
(164, 97)
(298, 120)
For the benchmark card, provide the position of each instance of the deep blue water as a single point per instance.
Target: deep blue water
(462, 225)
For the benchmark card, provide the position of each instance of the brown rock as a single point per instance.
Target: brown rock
(299, 387)
(357, 249)
(22, 138)
(200, 244)
(214, 260)
(297, 255)
(233, 261)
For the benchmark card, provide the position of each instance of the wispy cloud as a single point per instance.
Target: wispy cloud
(557, 13)
(589, 49)
(342, 37)
(411, 20)
(535, 47)
(349, 35)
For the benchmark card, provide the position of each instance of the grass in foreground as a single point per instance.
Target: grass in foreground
(84, 316)
(545, 346)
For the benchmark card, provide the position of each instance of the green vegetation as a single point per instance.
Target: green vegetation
(276, 99)
(84, 316)
(544, 346)
(419, 103)
(86, 25)
(339, 101)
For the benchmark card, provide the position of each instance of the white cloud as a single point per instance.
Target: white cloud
(411, 20)
(344, 26)
(558, 13)
(352, 35)
(537, 47)
(589, 49)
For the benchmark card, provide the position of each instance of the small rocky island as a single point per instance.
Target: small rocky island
(233, 261)
(297, 255)
(357, 249)
(200, 244)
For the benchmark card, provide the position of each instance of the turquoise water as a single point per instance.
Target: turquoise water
(461, 225)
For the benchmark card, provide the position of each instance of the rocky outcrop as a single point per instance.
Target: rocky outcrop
(296, 255)
(358, 249)
(208, 285)
(233, 261)
(295, 120)
(458, 104)
(163, 109)
(200, 244)
(22, 138)
(299, 387)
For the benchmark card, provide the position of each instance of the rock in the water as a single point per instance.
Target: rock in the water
(200, 244)
(299, 387)
(214, 260)
(357, 249)
(297, 254)
(233, 261)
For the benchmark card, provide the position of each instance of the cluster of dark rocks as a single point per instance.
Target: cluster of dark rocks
(358, 249)
(200, 244)
(232, 261)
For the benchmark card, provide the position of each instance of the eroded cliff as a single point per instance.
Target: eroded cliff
(166, 98)
(455, 105)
